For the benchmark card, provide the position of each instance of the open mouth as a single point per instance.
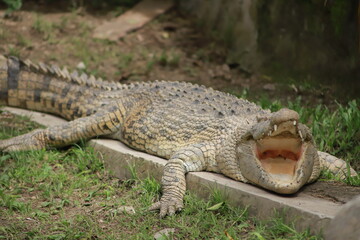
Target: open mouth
(279, 156)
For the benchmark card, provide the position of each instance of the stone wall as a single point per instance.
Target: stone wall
(311, 39)
(232, 22)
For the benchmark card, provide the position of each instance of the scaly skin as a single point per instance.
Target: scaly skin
(195, 128)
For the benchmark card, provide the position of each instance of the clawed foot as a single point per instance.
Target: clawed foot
(29, 141)
(168, 206)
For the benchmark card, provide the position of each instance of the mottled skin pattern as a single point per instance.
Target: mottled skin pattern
(195, 128)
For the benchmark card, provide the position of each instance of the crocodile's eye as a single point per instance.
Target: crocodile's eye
(279, 155)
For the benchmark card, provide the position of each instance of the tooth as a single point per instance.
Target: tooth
(300, 135)
(270, 133)
(275, 128)
(294, 123)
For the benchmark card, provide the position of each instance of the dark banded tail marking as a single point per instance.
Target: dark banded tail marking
(13, 72)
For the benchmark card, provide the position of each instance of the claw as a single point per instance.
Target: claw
(155, 206)
(171, 210)
(179, 206)
(167, 206)
(163, 211)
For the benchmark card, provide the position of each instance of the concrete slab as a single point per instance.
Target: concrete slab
(305, 210)
(41, 118)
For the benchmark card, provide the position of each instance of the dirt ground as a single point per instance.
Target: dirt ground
(333, 191)
(169, 48)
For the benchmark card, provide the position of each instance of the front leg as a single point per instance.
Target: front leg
(335, 165)
(192, 158)
(101, 123)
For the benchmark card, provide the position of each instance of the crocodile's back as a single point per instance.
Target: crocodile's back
(51, 89)
(154, 115)
(175, 114)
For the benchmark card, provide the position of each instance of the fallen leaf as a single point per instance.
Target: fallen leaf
(163, 234)
(215, 207)
(228, 235)
(165, 35)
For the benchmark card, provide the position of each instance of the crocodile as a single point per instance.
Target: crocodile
(195, 128)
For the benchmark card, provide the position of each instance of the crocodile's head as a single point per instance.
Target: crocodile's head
(277, 153)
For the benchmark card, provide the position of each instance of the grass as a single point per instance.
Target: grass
(335, 131)
(12, 5)
(13, 51)
(43, 27)
(169, 58)
(24, 42)
(67, 194)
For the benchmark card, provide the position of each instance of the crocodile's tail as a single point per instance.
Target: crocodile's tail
(3, 80)
(48, 88)
(20, 87)
(10, 68)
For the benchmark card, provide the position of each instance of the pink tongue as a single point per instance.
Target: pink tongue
(278, 153)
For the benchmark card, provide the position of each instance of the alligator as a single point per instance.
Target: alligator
(194, 127)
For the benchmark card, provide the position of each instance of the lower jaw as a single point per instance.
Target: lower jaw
(287, 191)
(283, 183)
(281, 167)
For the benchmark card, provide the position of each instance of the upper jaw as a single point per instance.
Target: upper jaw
(273, 127)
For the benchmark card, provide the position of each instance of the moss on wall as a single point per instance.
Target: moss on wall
(310, 37)
(339, 13)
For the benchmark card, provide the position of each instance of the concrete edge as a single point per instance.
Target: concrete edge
(306, 211)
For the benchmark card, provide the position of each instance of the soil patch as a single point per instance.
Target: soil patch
(331, 190)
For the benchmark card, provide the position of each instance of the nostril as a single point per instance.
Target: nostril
(284, 115)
